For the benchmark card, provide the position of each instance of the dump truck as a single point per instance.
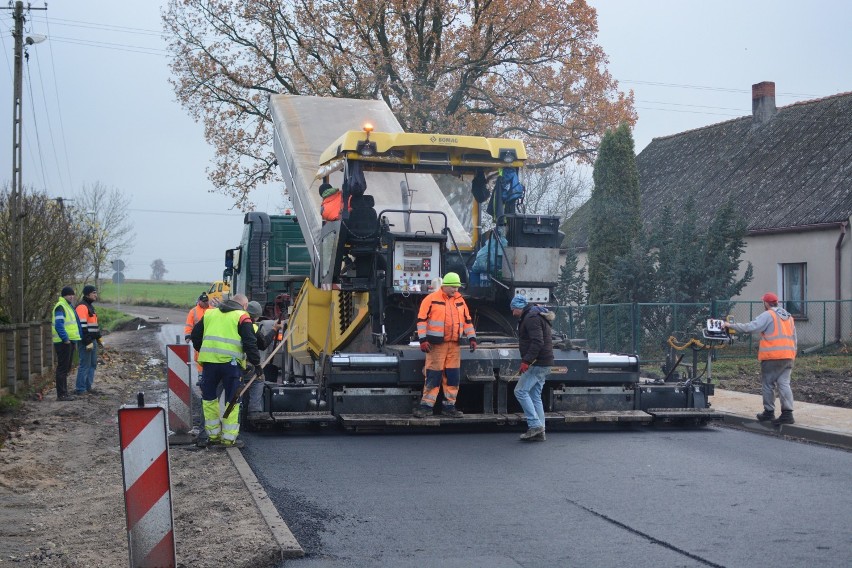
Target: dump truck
(351, 338)
(271, 260)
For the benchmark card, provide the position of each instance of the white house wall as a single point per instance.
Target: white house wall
(816, 248)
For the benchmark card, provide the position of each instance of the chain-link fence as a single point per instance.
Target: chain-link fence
(647, 329)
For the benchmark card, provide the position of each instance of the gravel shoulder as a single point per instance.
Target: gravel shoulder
(61, 489)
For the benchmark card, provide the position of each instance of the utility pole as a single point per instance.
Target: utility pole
(16, 282)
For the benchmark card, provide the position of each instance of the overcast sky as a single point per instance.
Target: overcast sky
(98, 106)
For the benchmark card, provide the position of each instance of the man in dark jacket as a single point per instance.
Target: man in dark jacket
(226, 345)
(535, 343)
(66, 332)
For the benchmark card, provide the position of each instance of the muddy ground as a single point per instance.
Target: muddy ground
(827, 382)
(61, 489)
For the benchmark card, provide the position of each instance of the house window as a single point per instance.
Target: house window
(794, 289)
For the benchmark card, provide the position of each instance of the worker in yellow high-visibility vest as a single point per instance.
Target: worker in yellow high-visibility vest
(66, 332)
(226, 344)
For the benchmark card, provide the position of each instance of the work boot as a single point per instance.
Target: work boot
(422, 411)
(766, 416)
(532, 433)
(235, 444)
(66, 397)
(785, 418)
(452, 412)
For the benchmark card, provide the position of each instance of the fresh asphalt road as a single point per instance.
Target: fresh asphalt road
(709, 497)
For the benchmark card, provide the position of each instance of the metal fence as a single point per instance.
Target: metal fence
(645, 329)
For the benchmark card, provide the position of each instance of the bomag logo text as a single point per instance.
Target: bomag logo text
(447, 140)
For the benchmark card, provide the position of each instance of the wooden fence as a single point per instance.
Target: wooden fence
(26, 352)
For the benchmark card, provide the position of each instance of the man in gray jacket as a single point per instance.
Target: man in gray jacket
(776, 353)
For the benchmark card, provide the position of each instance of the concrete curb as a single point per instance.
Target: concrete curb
(792, 430)
(287, 543)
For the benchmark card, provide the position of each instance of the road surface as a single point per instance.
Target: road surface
(710, 497)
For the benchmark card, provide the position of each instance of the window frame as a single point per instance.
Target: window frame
(788, 302)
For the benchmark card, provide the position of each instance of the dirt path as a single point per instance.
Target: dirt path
(61, 491)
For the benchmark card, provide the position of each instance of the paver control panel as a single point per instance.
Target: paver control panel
(415, 265)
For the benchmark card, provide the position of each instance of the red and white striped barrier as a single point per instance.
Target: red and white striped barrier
(180, 413)
(147, 486)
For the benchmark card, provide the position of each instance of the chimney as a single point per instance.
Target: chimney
(763, 102)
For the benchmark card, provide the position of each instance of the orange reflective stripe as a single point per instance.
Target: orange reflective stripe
(781, 344)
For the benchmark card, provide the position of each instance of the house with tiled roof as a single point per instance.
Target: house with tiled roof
(788, 169)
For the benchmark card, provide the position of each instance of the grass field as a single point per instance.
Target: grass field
(153, 293)
(110, 319)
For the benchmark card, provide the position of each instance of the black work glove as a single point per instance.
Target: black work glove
(258, 371)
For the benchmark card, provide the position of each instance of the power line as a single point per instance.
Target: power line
(689, 105)
(113, 46)
(104, 27)
(59, 105)
(50, 126)
(708, 88)
(188, 212)
(688, 111)
(35, 122)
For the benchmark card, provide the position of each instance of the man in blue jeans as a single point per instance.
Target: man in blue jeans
(90, 339)
(535, 343)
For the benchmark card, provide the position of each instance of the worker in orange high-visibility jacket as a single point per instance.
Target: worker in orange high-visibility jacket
(442, 321)
(90, 339)
(332, 202)
(193, 317)
(776, 353)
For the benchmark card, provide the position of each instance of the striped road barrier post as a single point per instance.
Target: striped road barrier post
(180, 394)
(147, 486)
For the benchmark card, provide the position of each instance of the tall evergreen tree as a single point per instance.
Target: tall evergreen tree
(571, 285)
(570, 293)
(615, 211)
(724, 246)
(634, 273)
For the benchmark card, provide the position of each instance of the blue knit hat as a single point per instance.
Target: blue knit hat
(518, 302)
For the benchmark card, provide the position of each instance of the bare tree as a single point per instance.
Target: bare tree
(104, 213)
(53, 243)
(487, 68)
(158, 269)
(556, 190)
